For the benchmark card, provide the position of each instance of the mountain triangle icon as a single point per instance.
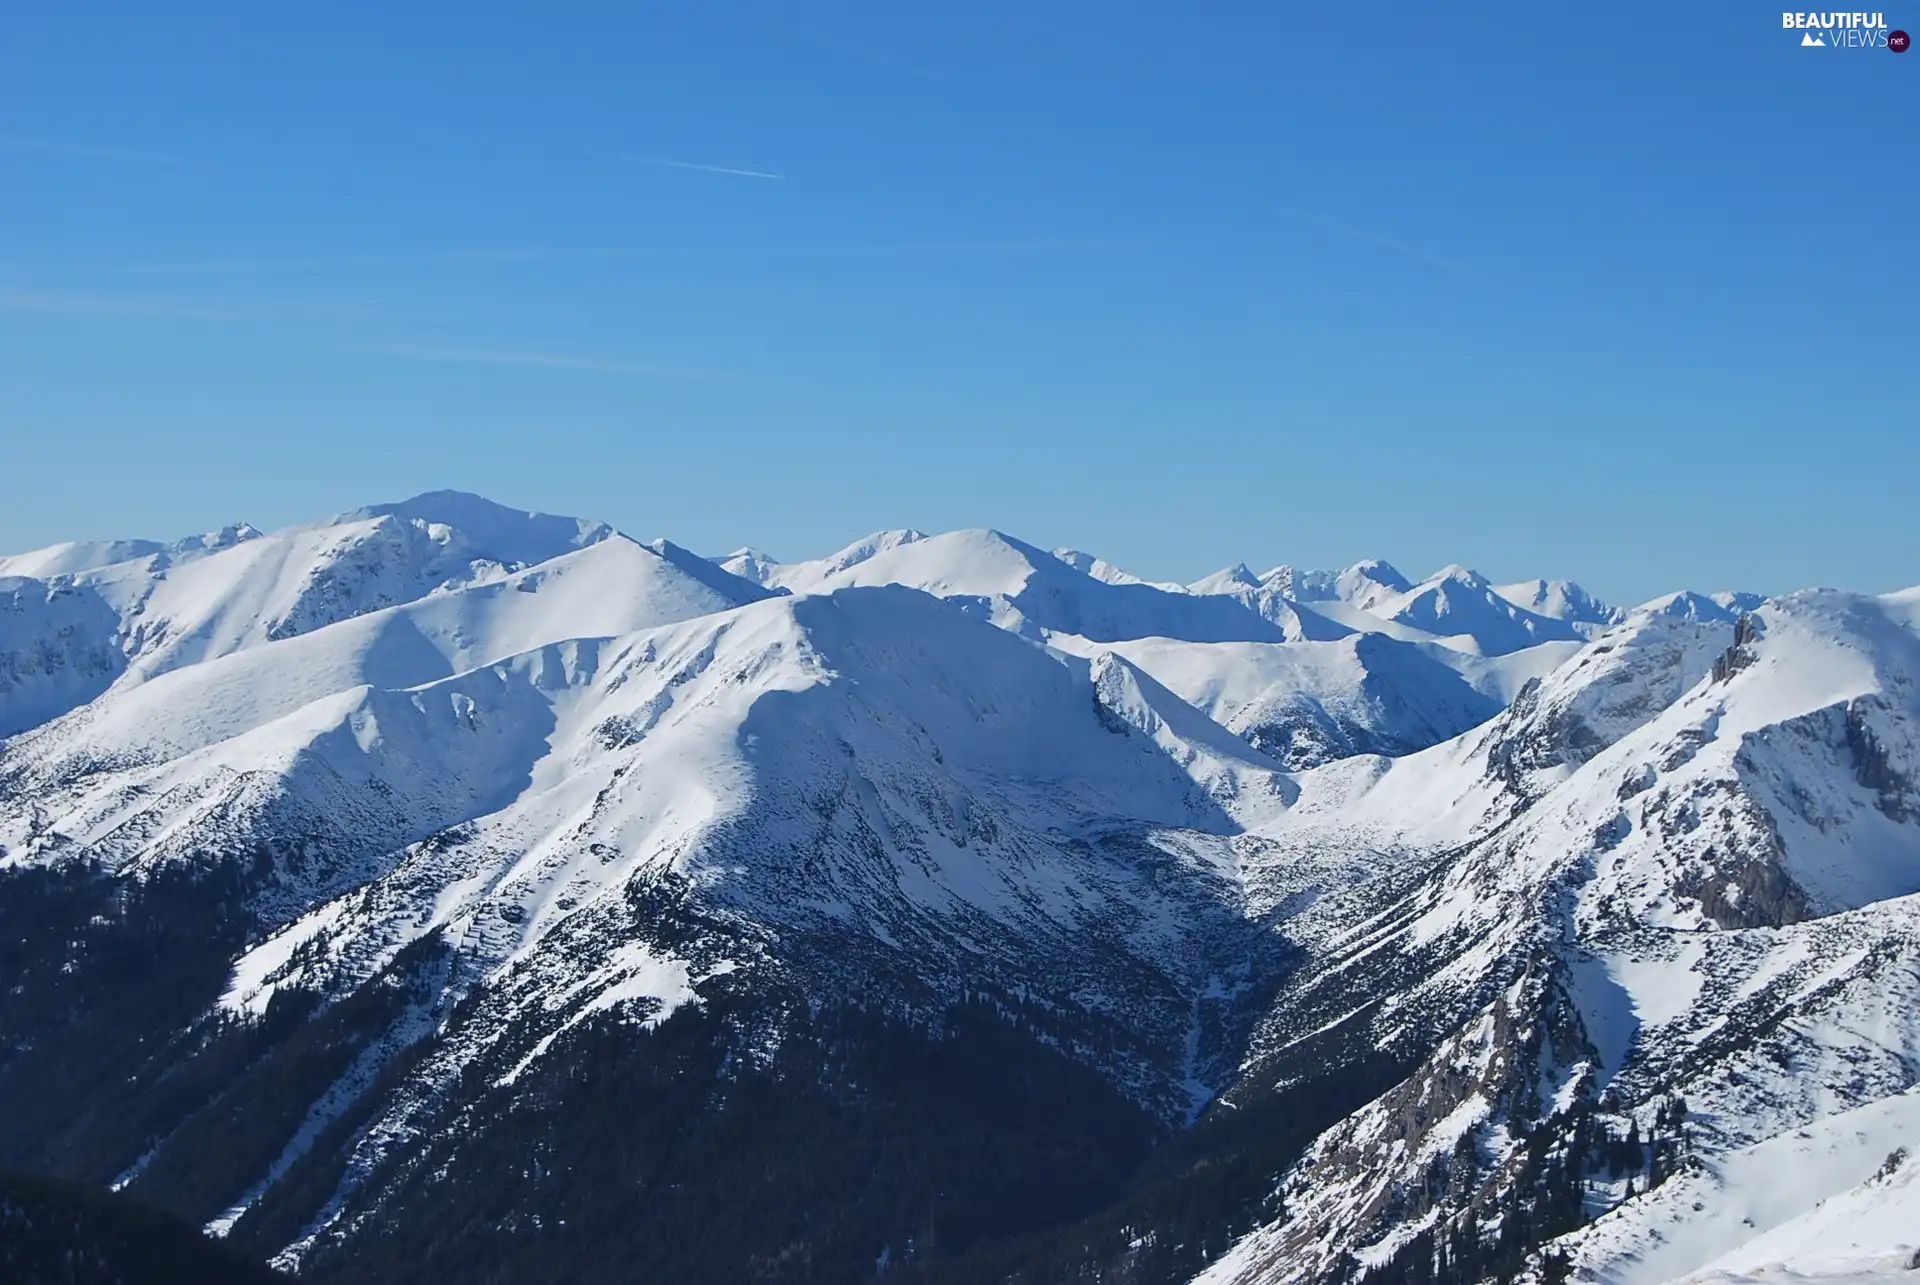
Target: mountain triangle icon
(1810, 39)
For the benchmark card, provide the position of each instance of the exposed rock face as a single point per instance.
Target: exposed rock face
(1894, 778)
(1737, 657)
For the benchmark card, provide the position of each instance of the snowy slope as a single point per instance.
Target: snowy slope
(306, 577)
(75, 557)
(1545, 870)
(1305, 703)
(207, 597)
(1870, 1230)
(1361, 586)
(1460, 604)
(252, 716)
(1688, 605)
(1834, 1198)
(1657, 875)
(1454, 605)
(1561, 600)
(750, 564)
(56, 650)
(1101, 569)
(487, 530)
(1296, 622)
(1228, 580)
(1369, 584)
(869, 771)
(757, 711)
(1585, 700)
(802, 577)
(1029, 590)
(1301, 584)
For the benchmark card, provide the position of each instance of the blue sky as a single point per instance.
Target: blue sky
(1621, 293)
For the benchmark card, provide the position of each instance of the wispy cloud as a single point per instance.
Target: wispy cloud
(89, 151)
(516, 255)
(332, 262)
(1379, 239)
(294, 314)
(528, 357)
(88, 305)
(705, 169)
(1401, 247)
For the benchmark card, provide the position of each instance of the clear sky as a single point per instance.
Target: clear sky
(1624, 293)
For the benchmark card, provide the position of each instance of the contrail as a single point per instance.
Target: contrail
(708, 169)
(1375, 238)
(525, 357)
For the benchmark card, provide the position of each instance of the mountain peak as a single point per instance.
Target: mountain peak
(1686, 605)
(1377, 571)
(518, 537)
(1301, 584)
(727, 583)
(1561, 600)
(1368, 583)
(1100, 569)
(869, 547)
(1458, 574)
(1237, 576)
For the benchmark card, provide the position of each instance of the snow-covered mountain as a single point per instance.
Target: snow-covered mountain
(1457, 603)
(392, 892)
(1561, 600)
(1101, 569)
(1455, 606)
(1681, 869)
(56, 650)
(74, 557)
(1310, 702)
(1025, 589)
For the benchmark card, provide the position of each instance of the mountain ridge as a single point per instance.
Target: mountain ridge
(1390, 906)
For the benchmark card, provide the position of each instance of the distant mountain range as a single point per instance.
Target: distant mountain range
(440, 890)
